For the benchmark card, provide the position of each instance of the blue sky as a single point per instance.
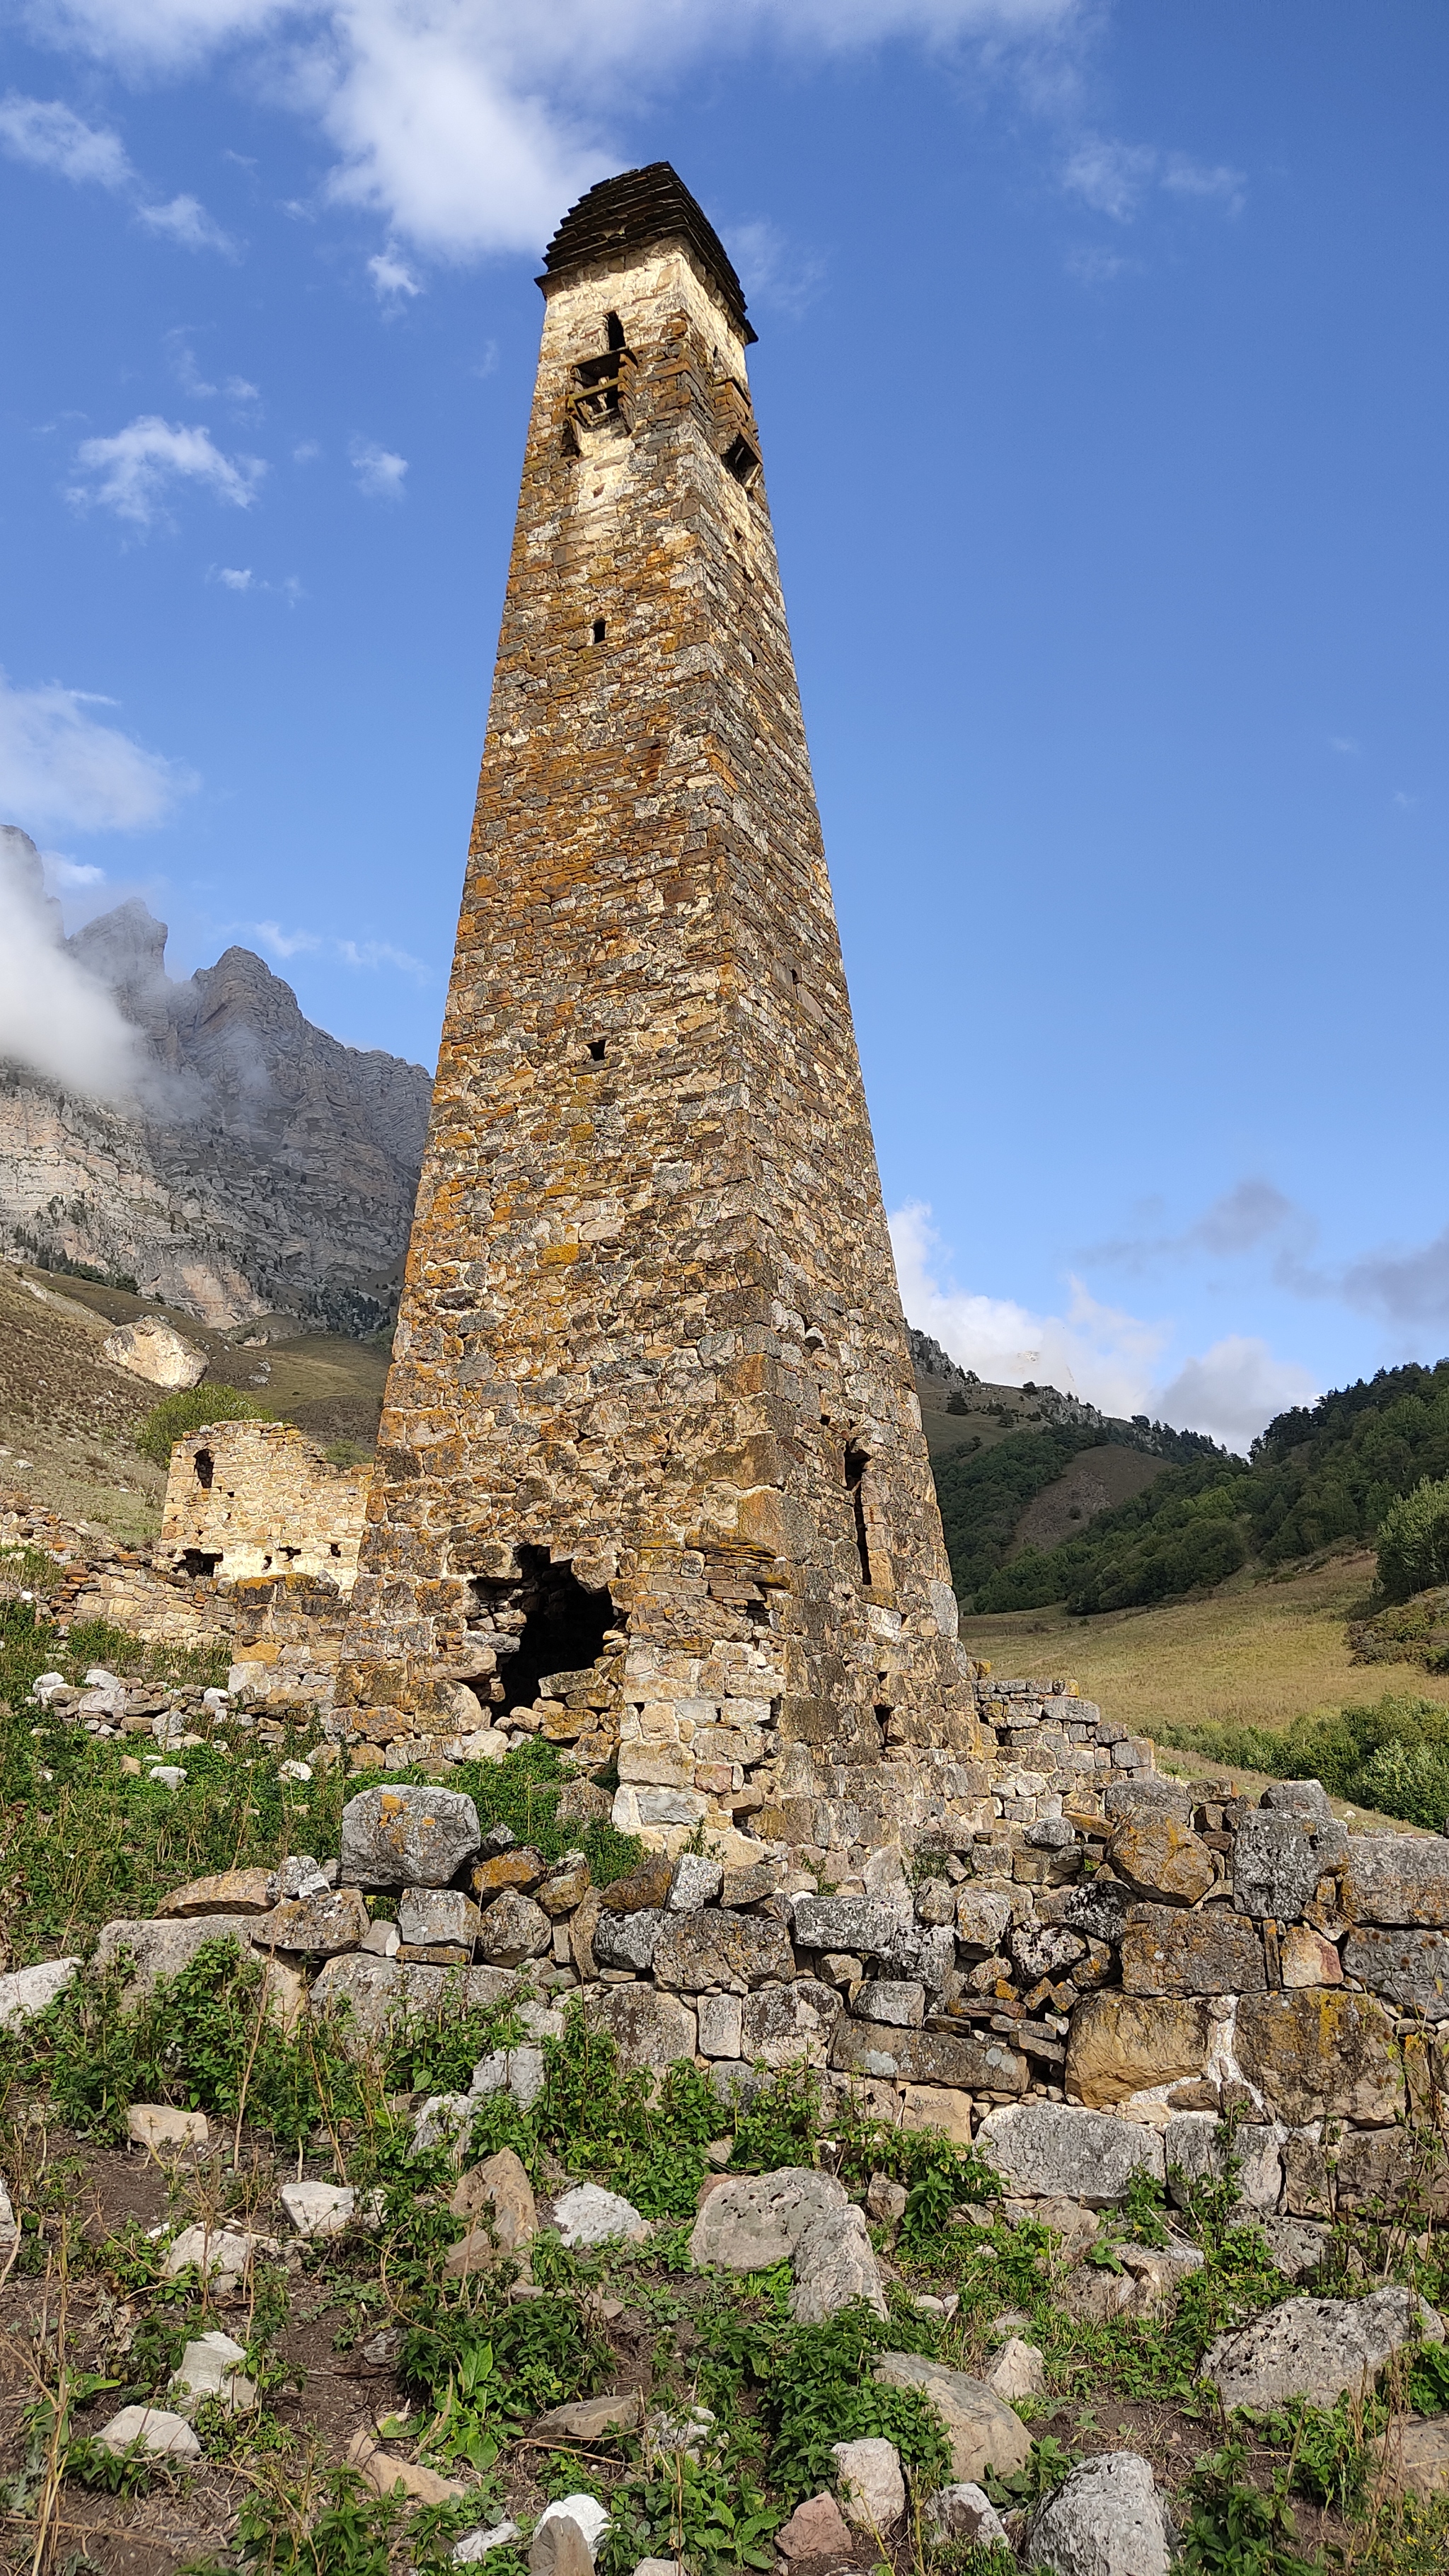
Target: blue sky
(1102, 383)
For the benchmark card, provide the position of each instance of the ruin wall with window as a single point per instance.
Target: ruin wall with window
(247, 1499)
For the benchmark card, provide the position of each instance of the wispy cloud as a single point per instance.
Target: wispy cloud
(1113, 177)
(1406, 1288)
(1252, 1214)
(133, 472)
(367, 954)
(1095, 1351)
(773, 270)
(55, 1019)
(1345, 743)
(185, 220)
(392, 278)
(62, 769)
(467, 126)
(379, 472)
(240, 578)
(48, 135)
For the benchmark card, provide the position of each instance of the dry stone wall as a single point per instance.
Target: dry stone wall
(245, 1498)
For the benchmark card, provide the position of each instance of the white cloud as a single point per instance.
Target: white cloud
(54, 1018)
(70, 874)
(49, 136)
(134, 469)
(1344, 742)
(231, 578)
(1098, 1352)
(62, 769)
(1114, 177)
(185, 220)
(392, 278)
(469, 125)
(364, 953)
(379, 473)
(1232, 1392)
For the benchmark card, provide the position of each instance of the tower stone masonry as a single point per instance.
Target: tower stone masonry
(651, 1475)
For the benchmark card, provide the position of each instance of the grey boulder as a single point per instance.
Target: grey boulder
(1317, 2348)
(752, 2222)
(1053, 2148)
(1106, 2519)
(407, 1836)
(982, 2430)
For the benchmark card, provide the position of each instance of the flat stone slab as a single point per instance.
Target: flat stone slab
(1317, 2348)
(163, 1948)
(1057, 2150)
(1410, 1967)
(156, 2430)
(28, 1992)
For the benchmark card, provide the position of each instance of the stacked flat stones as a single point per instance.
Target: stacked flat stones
(1086, 2007)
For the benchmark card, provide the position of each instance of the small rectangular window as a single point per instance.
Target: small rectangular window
(598, 630)
(741, 461)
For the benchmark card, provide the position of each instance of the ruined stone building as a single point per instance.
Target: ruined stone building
(651, 1424)
(251, 1498)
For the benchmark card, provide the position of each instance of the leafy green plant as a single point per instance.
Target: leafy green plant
(189, 1409)
(1233, 2528)
(1047, 2463)
(711, 2516)
(1413, 1550)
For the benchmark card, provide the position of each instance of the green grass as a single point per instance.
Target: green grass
(1391, 1756)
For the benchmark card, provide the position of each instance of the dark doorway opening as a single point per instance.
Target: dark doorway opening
(564, 1625)
(205, 1469)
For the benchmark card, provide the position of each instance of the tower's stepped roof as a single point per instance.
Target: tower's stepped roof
(636, 208)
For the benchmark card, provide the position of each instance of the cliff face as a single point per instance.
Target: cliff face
(261, 1165)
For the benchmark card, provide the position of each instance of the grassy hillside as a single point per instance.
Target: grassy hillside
(1318, 1476)
(68, 1418)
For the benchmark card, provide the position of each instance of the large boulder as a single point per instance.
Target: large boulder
(1317, 2348)
(163, 1949)
(1157, 1855)
(785, 2025)
(1106, 2519)
(370, 1994)
(1196, 2155)
(1409, 1967)
(1120, 2044)
(1211, 1952)
(406, 1836)
(1275, 1867)
(1321, 2053)
(797, 2216)
(1396, 1878)
(1054, 2149)
(982, 2430)
(647, 2028)
(716, 1948)
(25, 1993)
(153, 1349)
(865, 1927)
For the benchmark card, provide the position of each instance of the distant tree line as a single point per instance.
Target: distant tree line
(1318, 1476)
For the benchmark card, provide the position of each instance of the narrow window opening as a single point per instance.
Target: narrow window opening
(335, 1550)
(856, 1463)
(596, 1049)
(741, 461)
(598, 630)
(883, 1716)
(614, 331)
(205, 1469)
(794, 974)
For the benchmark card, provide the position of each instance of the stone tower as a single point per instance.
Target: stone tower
(651, 1421)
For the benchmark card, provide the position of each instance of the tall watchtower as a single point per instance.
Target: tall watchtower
(651, 1417)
